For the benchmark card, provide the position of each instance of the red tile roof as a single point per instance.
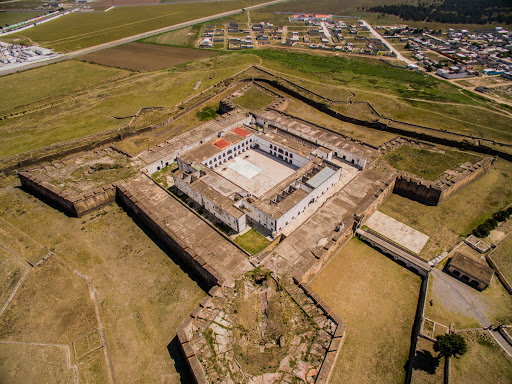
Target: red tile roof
(221, 143)
(240, 132)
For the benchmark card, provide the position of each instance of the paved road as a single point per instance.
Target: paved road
(379, 36)
(456, 296)
(139, 36)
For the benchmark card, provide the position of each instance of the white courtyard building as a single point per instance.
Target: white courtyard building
(260, 173)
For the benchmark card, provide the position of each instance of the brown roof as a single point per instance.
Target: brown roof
(472, 267)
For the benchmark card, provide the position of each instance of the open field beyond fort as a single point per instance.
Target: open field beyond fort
(145, 57)
(380, 320)
(82, 30)
(96, 109)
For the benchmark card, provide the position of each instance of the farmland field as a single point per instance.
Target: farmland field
(185, 37)
(10, 18)
(146, 57)
(81, 30)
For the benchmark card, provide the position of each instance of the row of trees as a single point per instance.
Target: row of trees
(453, 11)
(488, 225)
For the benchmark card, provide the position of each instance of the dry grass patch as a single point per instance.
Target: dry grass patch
(10, 273)
(377, 299)
(21, 364)
(146, 57)
(485, 362)
(50, 81)
(52, 305)
(427, 368)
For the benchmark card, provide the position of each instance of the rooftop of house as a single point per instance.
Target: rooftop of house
(472, 267)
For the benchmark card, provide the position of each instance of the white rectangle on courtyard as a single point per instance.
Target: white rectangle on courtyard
(397, 231)
(242, 171)
(244, 168)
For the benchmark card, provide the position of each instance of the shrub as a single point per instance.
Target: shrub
(501, 216)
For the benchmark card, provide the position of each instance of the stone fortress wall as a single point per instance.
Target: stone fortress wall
(435, 192)
(72, 205)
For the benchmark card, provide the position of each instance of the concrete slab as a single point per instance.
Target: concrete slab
(255, 171)
(397, 231)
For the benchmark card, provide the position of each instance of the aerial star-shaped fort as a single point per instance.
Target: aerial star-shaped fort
(306, 188)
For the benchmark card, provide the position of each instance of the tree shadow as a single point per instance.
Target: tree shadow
(180, 364)
(425, 361)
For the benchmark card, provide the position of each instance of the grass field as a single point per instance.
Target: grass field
(10, 18)
(83, 113)
(50, 82)
(146, 57)
(502, 256)
(253, 99)
(304, 111)
(252, 241)
(143, 293)
(457, 216)
(485, 362)
(82, 30)
(427, 164)
(377, 299)
(34, 364)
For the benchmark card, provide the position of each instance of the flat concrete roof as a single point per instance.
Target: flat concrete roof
(211, 148)
(320, 177)
(323, 134)
(211, 127)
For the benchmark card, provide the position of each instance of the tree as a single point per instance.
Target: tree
(450, 345)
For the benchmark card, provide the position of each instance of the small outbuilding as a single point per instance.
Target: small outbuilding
(469, 271)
